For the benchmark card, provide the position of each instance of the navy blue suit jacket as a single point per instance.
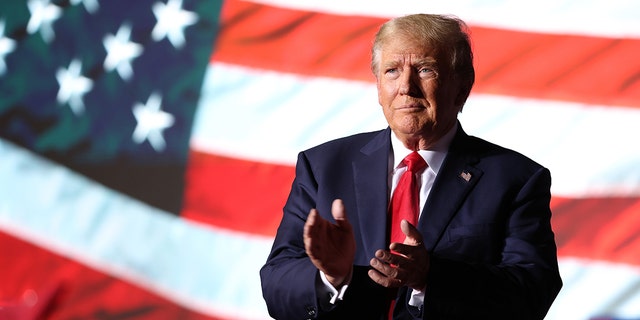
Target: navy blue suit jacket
(493, 254)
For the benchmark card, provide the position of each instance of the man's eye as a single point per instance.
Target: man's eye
(391, 70)
(427, 72)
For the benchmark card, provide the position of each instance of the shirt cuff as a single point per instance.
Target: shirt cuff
(416, 299)
(334, 293)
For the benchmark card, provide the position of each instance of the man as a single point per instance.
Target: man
(480, 245)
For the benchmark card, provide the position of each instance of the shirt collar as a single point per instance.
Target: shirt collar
(434, 156)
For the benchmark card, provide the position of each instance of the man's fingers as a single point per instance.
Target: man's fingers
(384, 273)
(387, 263)
(307, 233)
(383, 280)
(313, 227)
(311, 221)
(405, 264)
(387, 257)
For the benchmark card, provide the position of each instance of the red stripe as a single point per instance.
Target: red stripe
(248, 197)
(236, 194)
(592, 70)
(302, 42)
(38, 284)
(598, 228)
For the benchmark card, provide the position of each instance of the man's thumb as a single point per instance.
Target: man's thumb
(338, 212)
(413, 236)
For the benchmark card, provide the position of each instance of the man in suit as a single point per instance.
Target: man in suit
(480, 245)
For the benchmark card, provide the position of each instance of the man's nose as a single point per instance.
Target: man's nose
(408, 83)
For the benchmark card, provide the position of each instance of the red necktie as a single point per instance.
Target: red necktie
(405, 202)
(405, 199)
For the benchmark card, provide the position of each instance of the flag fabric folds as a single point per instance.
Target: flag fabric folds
(147, 148)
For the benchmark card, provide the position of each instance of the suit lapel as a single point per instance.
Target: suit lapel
(370, 179)
(455, 180)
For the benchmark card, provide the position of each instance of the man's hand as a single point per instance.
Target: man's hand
(331, 247)
(405, 264)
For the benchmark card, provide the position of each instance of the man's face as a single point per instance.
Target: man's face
(415, 90)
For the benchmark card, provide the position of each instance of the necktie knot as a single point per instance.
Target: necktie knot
(414, 162)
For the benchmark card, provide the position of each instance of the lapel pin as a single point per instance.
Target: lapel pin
(465, 175)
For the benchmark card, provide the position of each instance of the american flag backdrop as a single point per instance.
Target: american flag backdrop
(147, 147)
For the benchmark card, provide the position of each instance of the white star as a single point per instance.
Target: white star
(172, 21)
(92, 6)
(6, 46)
(43, 14)
(73, 86)
(120, 52)
(151, 122)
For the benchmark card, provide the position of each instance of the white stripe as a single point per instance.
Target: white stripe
(596, 289)
(212, 271)
(589, 149)
(270, 117)
(246, 112)
(209, 270)
(618, 18)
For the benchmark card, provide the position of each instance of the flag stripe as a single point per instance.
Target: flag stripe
(210, 175)
(588, 17)
(88, 293)
(603, 229)
(321, 44)
(594, 288)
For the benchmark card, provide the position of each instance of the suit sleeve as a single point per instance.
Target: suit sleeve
(524, 281)
(288, 277)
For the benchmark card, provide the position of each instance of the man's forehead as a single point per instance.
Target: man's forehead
(415, 57)
(403, 46)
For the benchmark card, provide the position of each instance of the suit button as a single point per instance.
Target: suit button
(311, 311)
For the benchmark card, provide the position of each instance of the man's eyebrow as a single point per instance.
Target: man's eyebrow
(391, 63)
(420, 62)
(427, 61)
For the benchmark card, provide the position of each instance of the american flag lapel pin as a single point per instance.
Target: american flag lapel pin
(465, 175)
